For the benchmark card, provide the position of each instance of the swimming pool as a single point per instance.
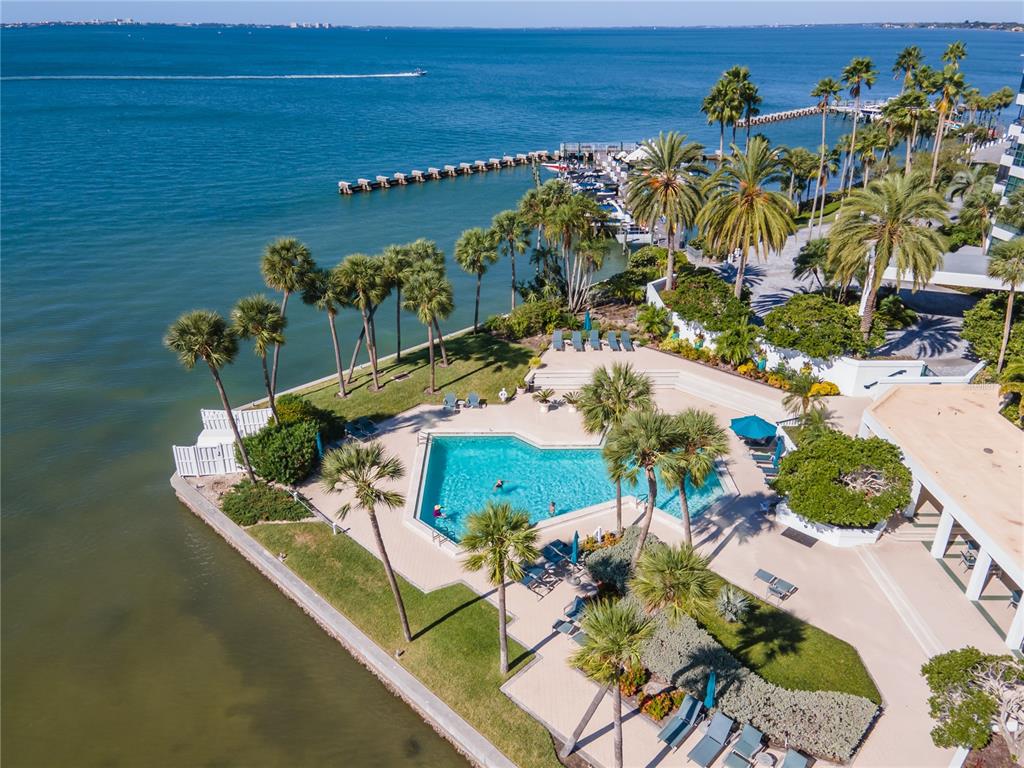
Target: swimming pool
(462, 469)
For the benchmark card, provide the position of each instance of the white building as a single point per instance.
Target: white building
(1010, 175)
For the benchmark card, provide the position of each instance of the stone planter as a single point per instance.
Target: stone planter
(833, 535)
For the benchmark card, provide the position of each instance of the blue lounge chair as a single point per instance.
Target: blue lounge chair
(473, 400)
(365, 426)
(536, 579)
(577, 341)
(613, 343)
(743, 751)
(565, 627)
(781, 589)
(793, 759)
(595, 340)
(627, 343)
(575, 609)
(554, 554)
(450, 402)
(580, 637)
(557, 343)
(682, 723)
(713, 741)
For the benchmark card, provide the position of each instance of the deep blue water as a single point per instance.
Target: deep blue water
(128, 628)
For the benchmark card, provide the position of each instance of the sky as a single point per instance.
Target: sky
(526, 13)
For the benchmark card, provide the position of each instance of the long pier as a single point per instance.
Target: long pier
(868, 109)
(417, 176)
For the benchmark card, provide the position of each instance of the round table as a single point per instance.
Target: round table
(766, 759)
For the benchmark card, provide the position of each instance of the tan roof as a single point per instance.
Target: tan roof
(956, 434)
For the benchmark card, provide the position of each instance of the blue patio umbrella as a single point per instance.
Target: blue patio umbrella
(709, 696)
(574, 556)
(753, 427)
(586, 321)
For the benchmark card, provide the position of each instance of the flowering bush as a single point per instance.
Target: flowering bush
(633, 679)
(658, 707)
(747, 369)
(824, 389)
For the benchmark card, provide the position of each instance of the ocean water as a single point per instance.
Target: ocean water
(131, 634)
(462, 471)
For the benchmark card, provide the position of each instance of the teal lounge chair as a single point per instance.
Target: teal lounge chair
(574, 610)
(450, 402)
(743, 751)
(595, 340)
(627, 342)
(613, 343)
(473, 400)
(781, 589)
(577, 341)
(682, 723)
(713, 742)
(557, 343)
(365, 426)
(793, 759)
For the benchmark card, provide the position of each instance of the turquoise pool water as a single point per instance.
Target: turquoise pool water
(462, 470)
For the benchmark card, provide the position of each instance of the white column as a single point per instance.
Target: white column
(942, 534)
(979, 575)
(1016, 634)
(915, 497)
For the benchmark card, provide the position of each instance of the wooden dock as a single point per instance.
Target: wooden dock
(417, 176)
(869, 109)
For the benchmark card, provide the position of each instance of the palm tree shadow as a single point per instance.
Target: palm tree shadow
(452, 612)
(753, 274)
(778, 632)
(606, 728)
(930, 336)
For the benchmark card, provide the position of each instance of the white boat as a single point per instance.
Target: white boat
(555, 167)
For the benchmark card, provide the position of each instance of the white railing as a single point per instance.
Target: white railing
(201, 460)
(249, 421)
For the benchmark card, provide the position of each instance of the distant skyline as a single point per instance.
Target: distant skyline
(527, 13)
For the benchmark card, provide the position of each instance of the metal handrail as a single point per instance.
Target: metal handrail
(314, 511)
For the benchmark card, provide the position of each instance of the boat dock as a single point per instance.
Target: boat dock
(417, 176)
(869, 109)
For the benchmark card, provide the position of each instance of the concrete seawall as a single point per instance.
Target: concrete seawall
(442, 718)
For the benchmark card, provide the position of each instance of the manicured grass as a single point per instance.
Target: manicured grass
(455, 646)
(803, 218)
(789, 652)
(476, 363)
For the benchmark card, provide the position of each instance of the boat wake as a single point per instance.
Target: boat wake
(416, 73)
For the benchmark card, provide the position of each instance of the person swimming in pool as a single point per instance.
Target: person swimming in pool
(551, 509)
(437, 511)
(498, 485)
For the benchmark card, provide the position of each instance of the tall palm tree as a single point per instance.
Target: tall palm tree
(428, 293)
(674, 580)
(645, 439)
(1012, 382)
(258, 318)
(858, 74)
(497, 540)
(742, 212)
(604, 402)
(811, 261)
(365, 471)
(950, 86)
(886, 223)
(828, 170)
(205, 335)
(907, 62)
(871, 142)
(570, 223)
(513, 236)
(395, 263)
(722, 105)
(531, 212)
(425, 253)
(743, 93)
(966, 182)
(475, 252)
(1006, 263)
(667, 184)
(615, 634)
(361, 277)
(285, 265)
(954, 52)
(979, 210)
(701, 444)
(326, 290)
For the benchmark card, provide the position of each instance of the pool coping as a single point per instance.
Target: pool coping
(730, 492)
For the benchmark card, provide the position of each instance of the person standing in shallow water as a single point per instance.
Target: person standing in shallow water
(551, 509)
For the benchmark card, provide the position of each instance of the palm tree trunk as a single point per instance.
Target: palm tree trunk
(391, 575)
(231, 420)
(512, 258)
(853, 141)
(617, 719)
(277, 346)
(618, 507)
(398, 322)
(906, 160)
(814, 207)
(355, 354)
(440, 342)
(684, 512)
(370, 350)
(337, 355)
(270, 389)
(792, 181)
(430, 349)
(570, 744)
(939, 130)
(1006, 330)
(502, 629)
(738, 287)
(721, 142)
(869, 311)
(670, 268)
(652, 495)
(476, 306)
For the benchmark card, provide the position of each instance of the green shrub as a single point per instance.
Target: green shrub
(629, 286)
(531, 318)
(959, 235)
(248, 504)
(814, 324)
(292, 409)
(655, 322)
(659, 706)
(701, 296)
(610, 565)
(652, 257)
(983, 327)
(846, 481)
(283, 453)
(893, 315)
(633, 679)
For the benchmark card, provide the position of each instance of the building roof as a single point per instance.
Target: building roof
(955, 434)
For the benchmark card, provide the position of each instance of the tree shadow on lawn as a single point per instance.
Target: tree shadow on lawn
(775, 631)
(447, 615)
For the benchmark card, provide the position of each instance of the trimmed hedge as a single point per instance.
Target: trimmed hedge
(814, 479)
(248, 504)
(701, 296)
(283, 453)
(531, 318)
(816, 325)
(983, 327)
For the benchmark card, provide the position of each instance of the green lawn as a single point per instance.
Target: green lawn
(455, 646)
(803, 218)
(477, 363)
(789, 652)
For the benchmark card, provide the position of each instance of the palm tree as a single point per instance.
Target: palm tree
(571, 223)
(361, 277)
(258, 318)
(604, 402)
(1006, 263)
(675, 580)
(828, 170)
(801, 396)
(702, 443)
(742, 212)
(954, 52)
(365, 471)
(428, 293)
(395, 263)
(950, 87)
(513, 236)
(907, 62)
(285, 265)
(743, 92)
(497, 540)
(474, 252)
(615, 634)
(966, 182)
(871, 142)
(723, 106)
(811, 260)
(204, 335)
(644, 439)
(667, 184)
(979, 210)
(531, 211)
(326, 290)
(425, 253)
(1012, 383)
(887, 221)
(858, 74)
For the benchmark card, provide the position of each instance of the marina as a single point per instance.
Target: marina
(432, 173)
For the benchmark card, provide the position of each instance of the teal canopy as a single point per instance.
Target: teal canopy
(586, 321)
(753, 427)
(574, 556)
(709, 695)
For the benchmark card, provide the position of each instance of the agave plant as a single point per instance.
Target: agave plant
(732, 604)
